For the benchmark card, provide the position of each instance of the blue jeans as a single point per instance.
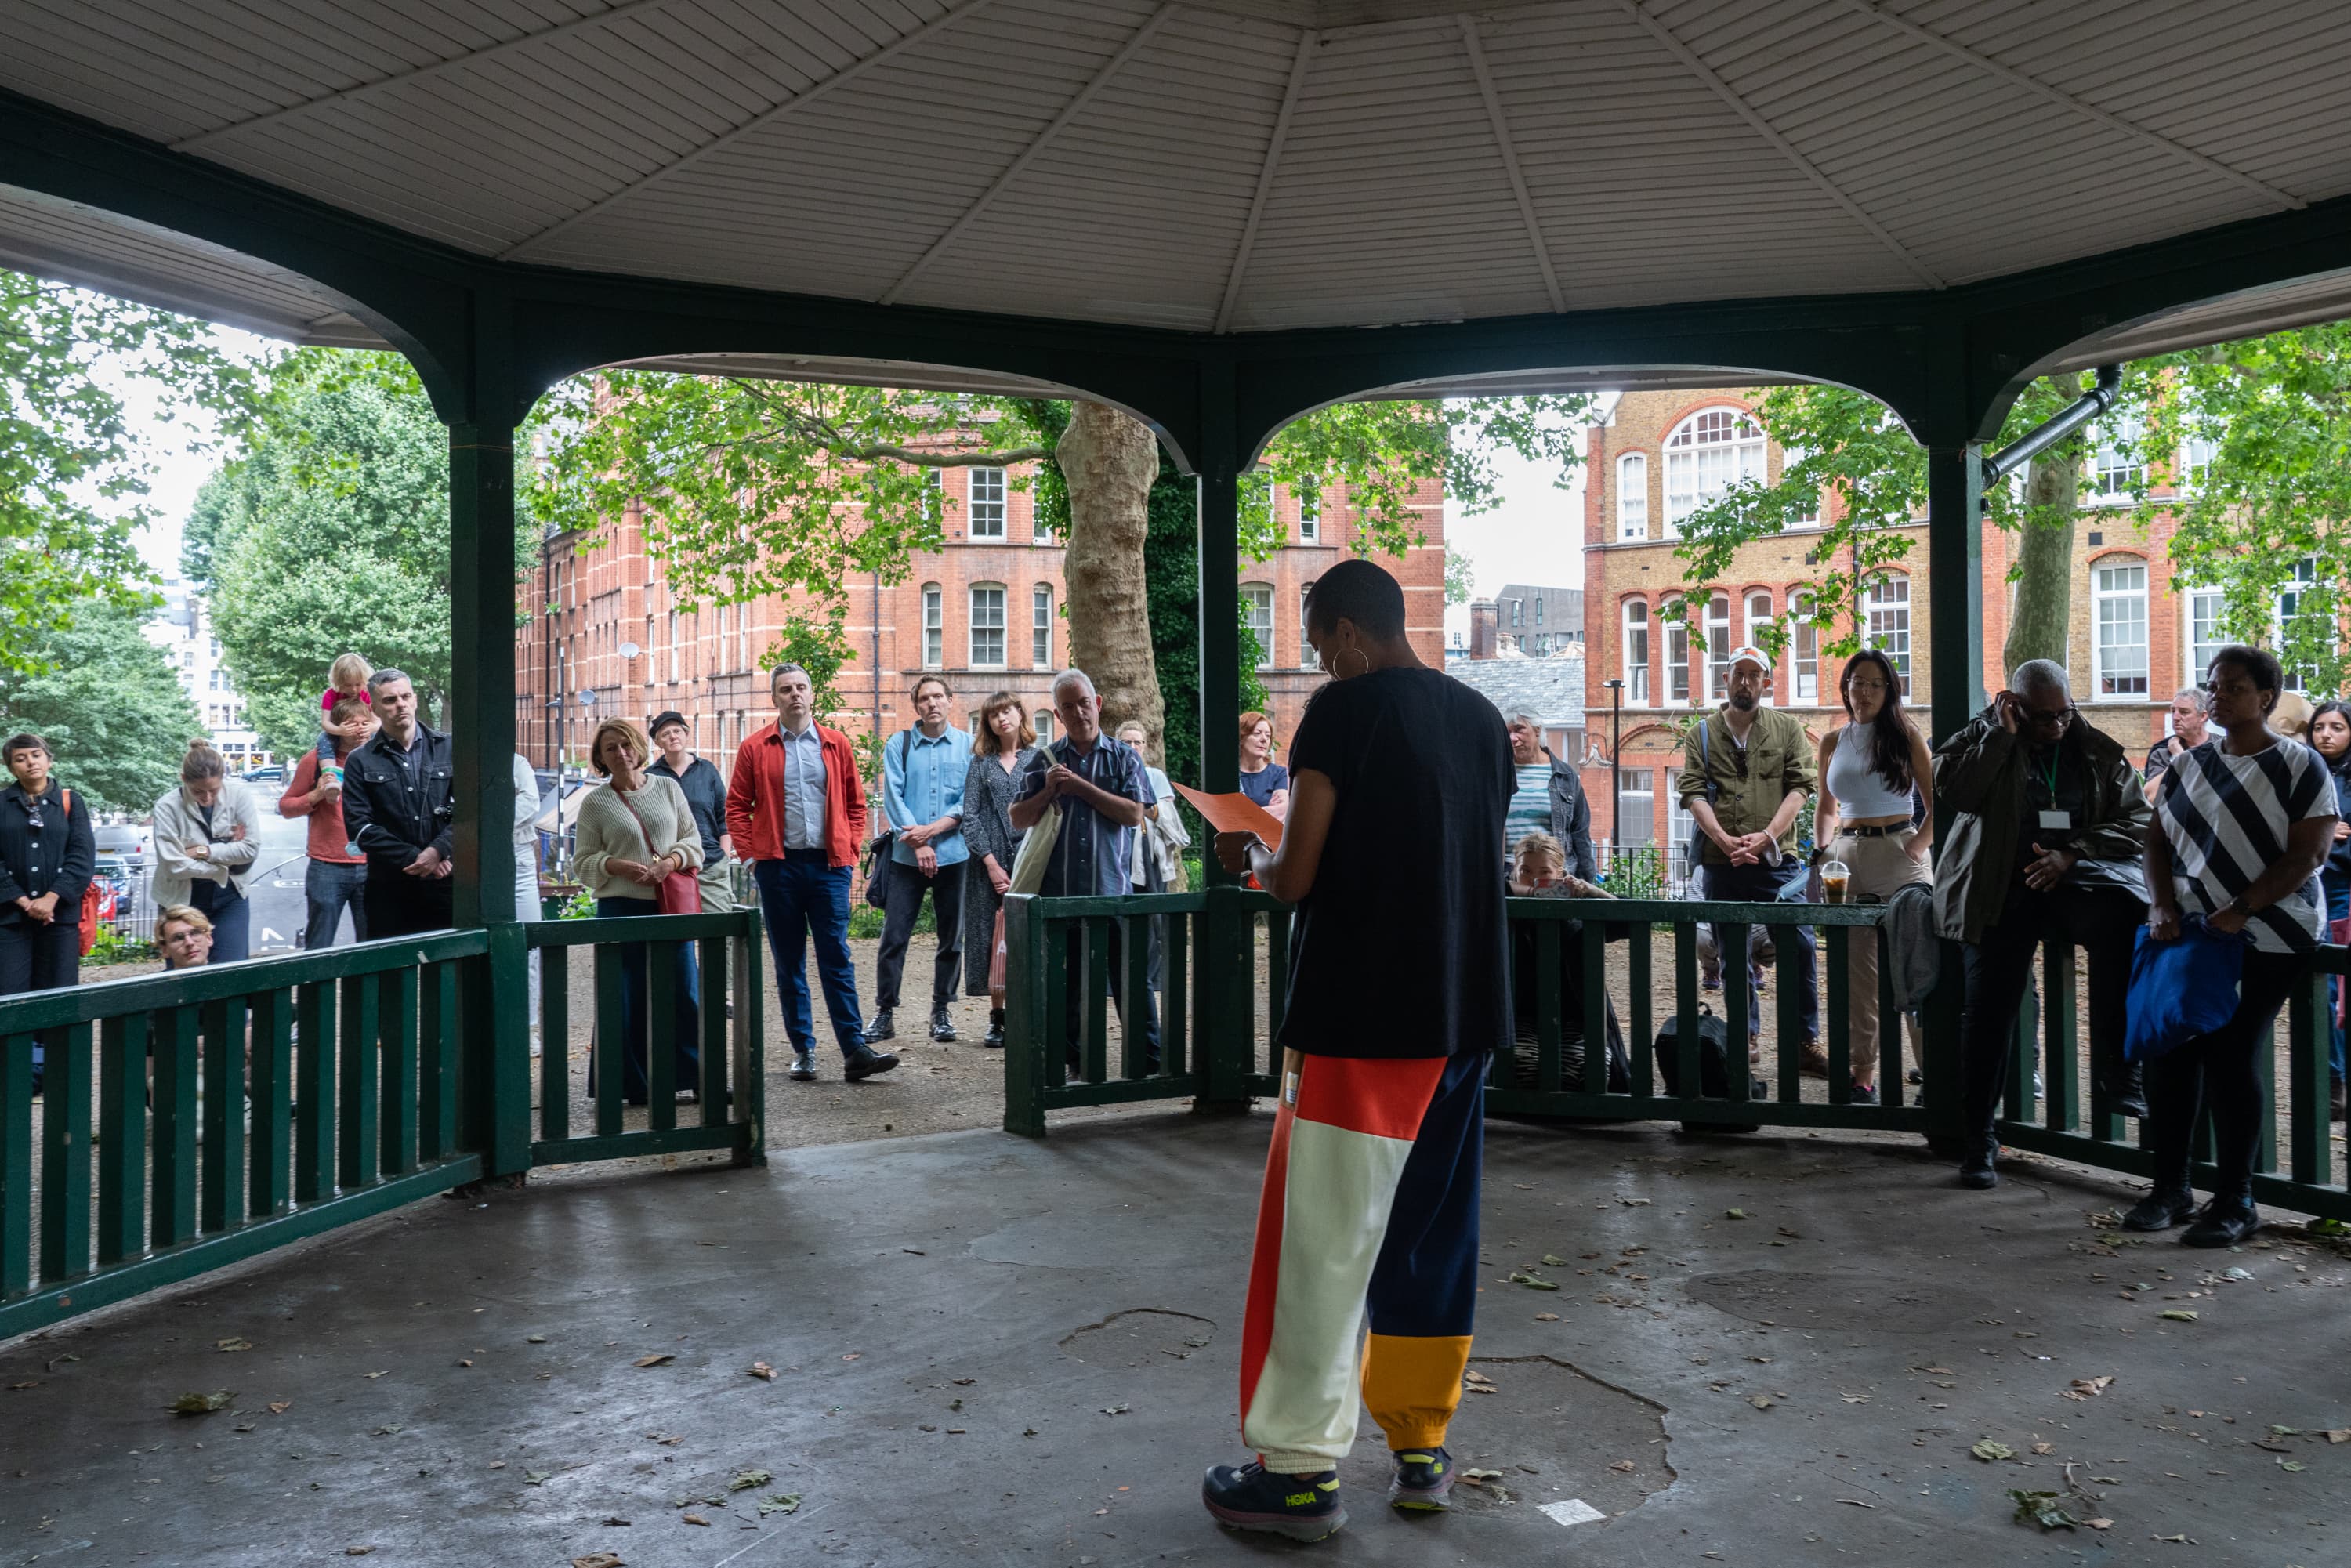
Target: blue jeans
(1761, 885)
(231, 914)
(327, 889)
(801, 896)
(636, 1009)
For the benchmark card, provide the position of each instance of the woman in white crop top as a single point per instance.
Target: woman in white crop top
(1869, 769)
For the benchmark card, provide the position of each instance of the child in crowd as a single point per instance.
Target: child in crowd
(1538, 870)
(347, 680)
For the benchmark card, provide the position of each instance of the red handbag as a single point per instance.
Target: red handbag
(679, 892)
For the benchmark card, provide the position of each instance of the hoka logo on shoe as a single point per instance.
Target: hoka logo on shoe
(1298, 1499)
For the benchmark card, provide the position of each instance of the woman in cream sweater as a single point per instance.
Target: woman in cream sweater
(633, 832)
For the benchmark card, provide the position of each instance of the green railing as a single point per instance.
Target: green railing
(732, 1090)
(353, 1063)
(1227, 954)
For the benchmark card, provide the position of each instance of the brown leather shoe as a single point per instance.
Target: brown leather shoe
(1814, 1061)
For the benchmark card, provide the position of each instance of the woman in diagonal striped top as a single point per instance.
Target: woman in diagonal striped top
(2243, 824)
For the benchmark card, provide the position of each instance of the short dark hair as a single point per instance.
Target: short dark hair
(23, 740)
(2261, 667)
(914, 692)
(1359, 592)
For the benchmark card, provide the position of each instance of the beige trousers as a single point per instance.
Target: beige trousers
(1881, 866)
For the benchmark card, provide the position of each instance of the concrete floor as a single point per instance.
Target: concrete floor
(987, 1350)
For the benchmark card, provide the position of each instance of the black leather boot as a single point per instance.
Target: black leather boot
(994, 1038)
(1977, 1170)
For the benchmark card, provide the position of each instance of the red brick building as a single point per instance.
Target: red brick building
(985, 612)
(1663, 455)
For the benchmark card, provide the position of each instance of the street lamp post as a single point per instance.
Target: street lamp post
(1615, 749)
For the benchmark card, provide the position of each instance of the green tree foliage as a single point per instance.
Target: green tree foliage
(2270, 512)
(73, 476)
(1460, 577)
(107, 701)
(329, 534)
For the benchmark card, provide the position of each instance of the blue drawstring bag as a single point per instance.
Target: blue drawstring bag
(2180, 990)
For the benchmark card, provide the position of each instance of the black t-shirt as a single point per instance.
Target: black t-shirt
(1401, 947)
(705, 797)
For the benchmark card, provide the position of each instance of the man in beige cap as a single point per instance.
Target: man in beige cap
(1746, 770)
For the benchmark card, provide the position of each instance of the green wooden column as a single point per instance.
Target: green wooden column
(1955, 641)
(494, 991)
(1224, 1027)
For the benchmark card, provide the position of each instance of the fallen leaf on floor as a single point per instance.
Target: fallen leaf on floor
(384, 1432)
(2179, 1315)
(2174, 1539)
(2044, 1448)
(788, 1503)
(744, 1480)
(372, 1377)
(1553, 1260)
(535, 1339)
(1856, 1502)
(2091, 1387)
(1546, 1317)
(2293, 1467)
(598, 1560)
(1479, 1478)
(852, 1356)
(2041, 1508)
(1989, 1451)
(200, 1403)
(1734, 1214)
(614, 1518)
(762, 1371)
(243, 1426)
(967, 1382)
(1114, 1409)
(2099, 1523)
(279, 1406)
(241, 1344)
(357, 1551)
(2339, 1435)
(533, 1478)
(657, 1359)
(666, 1440)
(1473, 1376)
(462, 1361)
(1760, 1401)
(693, 1519)
(15, 1386)
(1854, 1399)
(1624, 1465)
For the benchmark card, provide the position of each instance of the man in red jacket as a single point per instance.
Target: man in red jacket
(796, 810)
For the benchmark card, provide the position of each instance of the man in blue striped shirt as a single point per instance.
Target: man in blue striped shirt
(923, 771)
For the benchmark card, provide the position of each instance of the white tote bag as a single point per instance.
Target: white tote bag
(1036, 851)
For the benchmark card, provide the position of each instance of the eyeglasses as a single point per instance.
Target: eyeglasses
(2057, 718)
(1869, 686)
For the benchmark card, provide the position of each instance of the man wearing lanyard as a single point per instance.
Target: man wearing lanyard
(399, 804)
(923, 772)
(796, 810)
(2036, 793)
(1101, 788)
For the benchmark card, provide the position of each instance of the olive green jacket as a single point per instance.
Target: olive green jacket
(1980, 776)
(1779, 758)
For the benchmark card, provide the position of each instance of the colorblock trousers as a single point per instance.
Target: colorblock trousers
(1370, 1202)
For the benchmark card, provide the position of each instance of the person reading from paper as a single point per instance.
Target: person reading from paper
(1397, 996)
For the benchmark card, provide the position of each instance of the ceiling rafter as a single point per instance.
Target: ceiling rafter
(1786, 149)
(1309, 40)
(1042, 140)
(1510, 154)
(814, 93)
(204, 138)
(2064, 99)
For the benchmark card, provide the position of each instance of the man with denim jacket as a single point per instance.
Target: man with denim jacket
(1746, 772)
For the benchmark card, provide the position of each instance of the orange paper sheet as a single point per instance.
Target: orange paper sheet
(1235, 814)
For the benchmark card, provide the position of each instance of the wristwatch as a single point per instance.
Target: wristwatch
(2240, 906)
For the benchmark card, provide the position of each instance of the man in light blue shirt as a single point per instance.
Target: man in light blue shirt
(923, 771)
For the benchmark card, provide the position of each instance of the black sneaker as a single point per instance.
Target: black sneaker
(1250, 1497)
(2224, 1222)
(994, 1038)
(942, 1025)
(1423, 1480)
(2160, 1210)
(1863, 1095)
(882, 1027)
(866, 1064)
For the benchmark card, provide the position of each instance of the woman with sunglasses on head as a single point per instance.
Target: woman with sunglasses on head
(1870, 769)
(2035, 793)
(2244, 822)
(2330, 737)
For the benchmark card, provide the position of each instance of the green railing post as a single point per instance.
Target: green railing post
(1224, 1035)
(1938, 1038)
(1024, 1016)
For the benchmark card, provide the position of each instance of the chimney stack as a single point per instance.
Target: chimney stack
(1485, 628)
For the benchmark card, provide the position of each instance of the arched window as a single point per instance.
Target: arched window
(1759, 615)
(1705, 456)
(1636, 653)
(988, 625)
(1887, 608)
(1717, 648)
(1633, 496)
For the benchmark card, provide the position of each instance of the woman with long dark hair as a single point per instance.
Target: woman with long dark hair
(2330, 737)
(1873, 771)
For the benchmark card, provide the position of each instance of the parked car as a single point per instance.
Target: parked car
(126, 839)
(271, 773)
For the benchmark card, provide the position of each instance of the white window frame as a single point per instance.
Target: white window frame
(1887, 615)
(1803, 651)
(2119, 604)
(2205, 638)
(1754, 625)
(1677, 657)
(1637, 784)
(2283, 609)
(1260, 596)
(1633, 496)
(1042, 722)
(1791, 457)
(1307, 658)
(934, 626)
(1716, 648)
(2111, 477)
(1705, 455)
(1309, 518)
(1040, 626)
(2196, 454)
(986, 505)
(986, 619)
(1637, 651)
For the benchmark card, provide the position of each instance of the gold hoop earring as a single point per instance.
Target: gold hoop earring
(1337, 675)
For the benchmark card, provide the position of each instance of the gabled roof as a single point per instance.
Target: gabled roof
(1552, 687)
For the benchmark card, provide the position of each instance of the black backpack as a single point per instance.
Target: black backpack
(1713, 1058)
